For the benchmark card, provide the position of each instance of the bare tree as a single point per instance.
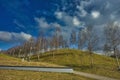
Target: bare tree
(66, 44)
(112, 35)
(73, 38)
(81, 39)
(45, 44)
(90, 40)
(31, 46)
(61, 41)
(38, 47)
(57, 37)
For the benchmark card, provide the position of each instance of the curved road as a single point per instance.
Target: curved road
(56, 69)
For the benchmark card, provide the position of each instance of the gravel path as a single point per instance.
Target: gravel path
(93, 76)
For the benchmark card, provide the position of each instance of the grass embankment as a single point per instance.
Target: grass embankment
(11, 61)
(32, 75)
(80, 60)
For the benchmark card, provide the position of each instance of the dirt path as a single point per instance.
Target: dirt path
(93, 76)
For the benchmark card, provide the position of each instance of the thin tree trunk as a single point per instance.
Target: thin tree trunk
(38, 56)
(117, 60)
(29, 57)
(91, 59)
(13, 53)
(53, 54)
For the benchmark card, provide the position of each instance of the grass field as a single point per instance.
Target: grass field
(11, 61)
(32, 75)
(80, 61)
(29, 75)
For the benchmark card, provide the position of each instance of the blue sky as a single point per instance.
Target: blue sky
(22, 19)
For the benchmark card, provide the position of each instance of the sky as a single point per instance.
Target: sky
(22, 19)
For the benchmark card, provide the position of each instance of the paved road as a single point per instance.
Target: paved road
(56, 69)
(93, 76)
(44, 69)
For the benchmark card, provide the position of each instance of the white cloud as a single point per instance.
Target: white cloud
(41, 22)
(81, 7)
(18, 24)
(117, 23)
(107, 5)
(25, 36)
(5, 36)
(95, 14)
(76, 22)
(82, 12)
(12, 36)
(58, 15)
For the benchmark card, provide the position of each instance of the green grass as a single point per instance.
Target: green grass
(80, 60)
(30, 75)
(12, 61)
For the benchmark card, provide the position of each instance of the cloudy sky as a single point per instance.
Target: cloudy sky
(22, 19)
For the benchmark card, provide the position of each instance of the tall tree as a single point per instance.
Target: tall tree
(31, 46)
(73, 38)
(112, 35)
(61, 41)
(38, 47)
(57, 37)
(81, 39)
(90, 40)
(39, 44)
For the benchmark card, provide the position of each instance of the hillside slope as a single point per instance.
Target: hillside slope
(80, 61)
(12, 61)
(32, 75)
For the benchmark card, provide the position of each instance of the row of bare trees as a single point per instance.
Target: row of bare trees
(39, 45)
(86, 38)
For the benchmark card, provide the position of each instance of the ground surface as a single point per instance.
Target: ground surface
(53, 69)
(32, 75)
(80, 61)
(11, 61)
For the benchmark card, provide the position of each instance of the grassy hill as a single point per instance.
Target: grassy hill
(80, 60)
(32, 75)
(12, 61)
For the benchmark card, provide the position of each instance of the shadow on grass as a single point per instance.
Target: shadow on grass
(80, 67)
(50, 55)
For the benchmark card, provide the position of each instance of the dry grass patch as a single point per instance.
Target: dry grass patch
(11, 61)
(80, 61)
(30, 75)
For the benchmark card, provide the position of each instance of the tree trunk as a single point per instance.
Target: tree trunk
(38, 57)
(117, 59)
(28, 57)
(53, 54)
(91, 59)
(81, 60)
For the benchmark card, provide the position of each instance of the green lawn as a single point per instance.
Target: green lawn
(80, 60)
